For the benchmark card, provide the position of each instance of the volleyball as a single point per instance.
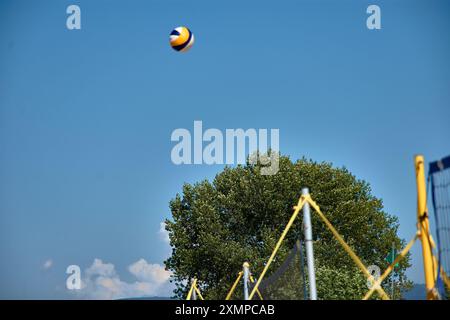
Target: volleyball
(181, 39)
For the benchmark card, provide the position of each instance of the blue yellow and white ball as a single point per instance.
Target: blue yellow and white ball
(181, 39)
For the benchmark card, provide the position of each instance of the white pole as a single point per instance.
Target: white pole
(309, 247)
(246, 267)
(194, 293)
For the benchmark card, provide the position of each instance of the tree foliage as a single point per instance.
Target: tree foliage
(240, 215)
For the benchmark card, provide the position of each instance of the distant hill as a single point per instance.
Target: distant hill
(417, 292)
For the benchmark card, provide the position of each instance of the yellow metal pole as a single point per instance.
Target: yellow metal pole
(228, 297)
(191, 290)
(252, 280)
(299, 206)
(390, 268)
(346, 247)
(423, 226)
(198, 292)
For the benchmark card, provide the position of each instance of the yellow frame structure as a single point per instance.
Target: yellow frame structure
(423, 233)
(301, 202)
(191, 290)
(429, 262)
(236, 282)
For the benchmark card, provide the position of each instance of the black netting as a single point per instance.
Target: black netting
(288, 281)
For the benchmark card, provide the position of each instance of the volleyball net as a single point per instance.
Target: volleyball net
(439, 175)
(288, 282)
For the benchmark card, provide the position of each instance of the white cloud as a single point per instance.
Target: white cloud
(163, 234)
(48, 264)
(101, 281)
(146, 272)
(98, 268)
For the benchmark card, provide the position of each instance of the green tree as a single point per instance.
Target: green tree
(240, 215)
(337, 284)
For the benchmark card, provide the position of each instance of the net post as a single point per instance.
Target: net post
(246, 267)
(194, 293)
(309, 247)
(423, 225)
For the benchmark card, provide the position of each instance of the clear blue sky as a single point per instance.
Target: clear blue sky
(86, 115)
